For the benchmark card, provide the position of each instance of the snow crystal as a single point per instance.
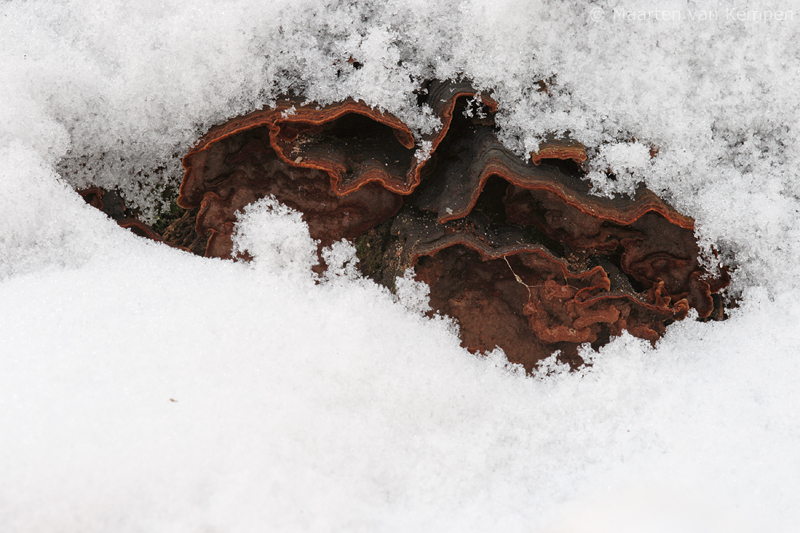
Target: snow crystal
(412, 294)
(276, 237)
(340, 261)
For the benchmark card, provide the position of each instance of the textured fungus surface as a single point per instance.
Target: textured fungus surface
(519, 253)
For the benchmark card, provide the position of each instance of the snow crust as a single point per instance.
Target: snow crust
(142, 388)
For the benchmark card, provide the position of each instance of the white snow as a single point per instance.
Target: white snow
(145, 389)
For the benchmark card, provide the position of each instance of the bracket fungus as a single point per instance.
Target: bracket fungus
(518, 252)
(343, 166)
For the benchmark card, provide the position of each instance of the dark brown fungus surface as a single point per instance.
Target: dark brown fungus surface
(457, 100)
(519, 253)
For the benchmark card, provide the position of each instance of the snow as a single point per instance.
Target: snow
(142, 388)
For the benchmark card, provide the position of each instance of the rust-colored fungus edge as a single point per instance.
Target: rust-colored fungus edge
(562, 149)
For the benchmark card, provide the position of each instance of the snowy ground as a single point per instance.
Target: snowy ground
(144, 389)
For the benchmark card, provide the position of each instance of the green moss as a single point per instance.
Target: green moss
(169, 211)
(370, 249)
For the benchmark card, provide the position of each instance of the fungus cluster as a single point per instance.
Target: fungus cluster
(519, 253)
